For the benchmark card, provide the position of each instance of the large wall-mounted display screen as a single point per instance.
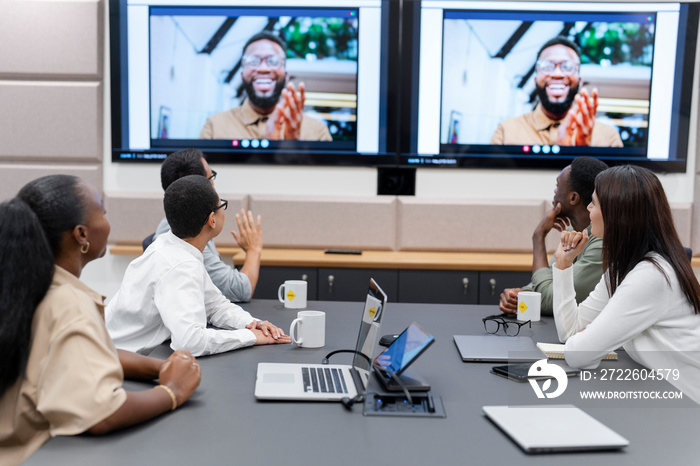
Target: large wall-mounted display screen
(250, 81)
(525, 84)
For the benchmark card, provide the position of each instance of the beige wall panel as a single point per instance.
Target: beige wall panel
(51, 120)
(13, 176)
(134, 216)
(467, 225)
(236, 202)
(683, 220)
(322, 222)
(51, 38)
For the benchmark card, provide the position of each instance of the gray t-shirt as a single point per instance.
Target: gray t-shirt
(232, 283)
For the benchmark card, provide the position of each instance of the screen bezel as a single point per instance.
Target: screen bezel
(296, 155)
(680, 126)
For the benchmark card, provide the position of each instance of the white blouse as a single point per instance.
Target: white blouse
(648, 316)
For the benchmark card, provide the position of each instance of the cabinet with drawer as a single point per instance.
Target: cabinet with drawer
(492, 284)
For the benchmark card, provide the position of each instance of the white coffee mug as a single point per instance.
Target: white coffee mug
(293, 294)
(529, 306)
(311, 329)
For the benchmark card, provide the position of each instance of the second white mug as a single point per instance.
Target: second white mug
(310, 329)
(293, 294)
(529, 306)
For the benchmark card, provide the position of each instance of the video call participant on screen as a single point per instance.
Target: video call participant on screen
(236, 286)
(60, 373)
(648, 301)
(572, 195)
(273, 109)
(563, 116)
(167, 293)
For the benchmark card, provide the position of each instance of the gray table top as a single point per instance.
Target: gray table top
(224, 424)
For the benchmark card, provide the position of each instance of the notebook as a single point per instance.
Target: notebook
(495, 348)
(556, 351)
(554, 428)
(327, 382)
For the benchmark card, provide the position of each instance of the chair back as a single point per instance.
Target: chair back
(147, 241)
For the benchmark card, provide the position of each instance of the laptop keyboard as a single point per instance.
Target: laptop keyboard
(323, 380)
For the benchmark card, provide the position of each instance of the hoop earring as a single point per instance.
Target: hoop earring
(85, 247)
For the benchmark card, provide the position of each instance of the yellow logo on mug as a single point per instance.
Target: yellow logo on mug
(522, 306)
(291, 295)
(371, 311)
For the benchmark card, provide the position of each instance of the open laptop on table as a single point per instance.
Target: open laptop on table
(327, 382)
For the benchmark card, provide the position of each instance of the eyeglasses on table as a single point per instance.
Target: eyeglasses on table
(492, 324)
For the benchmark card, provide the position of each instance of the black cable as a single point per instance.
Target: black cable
(347, 401)
(401, 384)
(358, 353)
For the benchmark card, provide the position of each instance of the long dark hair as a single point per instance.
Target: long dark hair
(31, 228)
(637, 220)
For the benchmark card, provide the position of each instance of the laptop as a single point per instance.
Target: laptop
(327, 382)
(554, 428)
(495, 348)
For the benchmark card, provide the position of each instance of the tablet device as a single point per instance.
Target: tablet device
(519, 372)
(405, 349)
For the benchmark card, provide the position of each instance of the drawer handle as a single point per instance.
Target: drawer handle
(304, 277)
(331, 279)
(492, 282)
(465, 283)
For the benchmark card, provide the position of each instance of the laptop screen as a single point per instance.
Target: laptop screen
(368, 336)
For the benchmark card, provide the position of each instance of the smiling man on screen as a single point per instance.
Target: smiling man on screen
(274, 109)
(564, 116)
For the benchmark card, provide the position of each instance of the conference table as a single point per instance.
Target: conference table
(223, 423)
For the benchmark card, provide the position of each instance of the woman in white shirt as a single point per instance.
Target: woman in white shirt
(648, 301)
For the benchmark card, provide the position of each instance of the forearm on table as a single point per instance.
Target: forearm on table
(138, 407)
(137, 366)
(206, 341)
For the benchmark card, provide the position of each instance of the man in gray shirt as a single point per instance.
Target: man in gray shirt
(238, 286)
(573, 193)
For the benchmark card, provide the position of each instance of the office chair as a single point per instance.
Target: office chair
(147, 241)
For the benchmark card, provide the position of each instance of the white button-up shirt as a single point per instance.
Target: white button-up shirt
(168, 294)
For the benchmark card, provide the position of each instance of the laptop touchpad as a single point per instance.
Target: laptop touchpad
(279, 378)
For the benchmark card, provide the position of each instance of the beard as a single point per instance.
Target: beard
(556, 108)
(263, 102)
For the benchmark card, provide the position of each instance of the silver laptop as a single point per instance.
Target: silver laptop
(554, 428)
(495, 348)
(327, 382)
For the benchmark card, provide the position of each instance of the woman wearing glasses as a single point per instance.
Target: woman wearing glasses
(648, 301)
(61, 374)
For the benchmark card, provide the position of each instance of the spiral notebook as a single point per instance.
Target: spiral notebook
(556, 351)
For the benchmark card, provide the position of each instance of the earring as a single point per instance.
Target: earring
(85, 247)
